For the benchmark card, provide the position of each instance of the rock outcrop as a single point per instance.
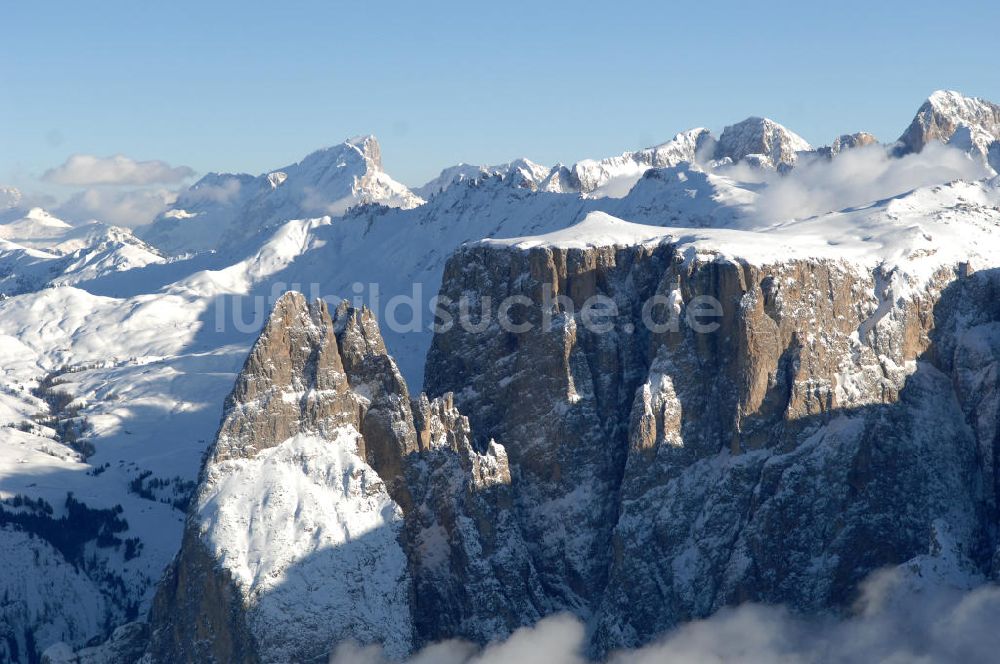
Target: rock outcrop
(472, 574)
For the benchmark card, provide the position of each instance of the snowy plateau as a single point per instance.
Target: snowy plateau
(816, 479)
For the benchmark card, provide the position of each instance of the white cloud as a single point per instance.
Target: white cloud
(223, 192)
(14, 202)
(86, 170)
(900, 618)
(855, 177)
(120, 208)
(555, 640)
(903, 617)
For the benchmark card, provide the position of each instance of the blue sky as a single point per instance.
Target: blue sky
(253, 86)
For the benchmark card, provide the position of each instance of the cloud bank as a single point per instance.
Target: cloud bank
(84, 170)
(897, 621)
(855, 177)
(120, 208)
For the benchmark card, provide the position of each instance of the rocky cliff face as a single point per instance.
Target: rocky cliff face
(969, 123)
(822, 431)
(331, 507)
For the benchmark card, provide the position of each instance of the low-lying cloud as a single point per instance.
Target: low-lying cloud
(895, 622)
(120, 208)
(84, 170)
(856, 177)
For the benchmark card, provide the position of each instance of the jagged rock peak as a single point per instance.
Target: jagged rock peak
(358, 330)
(326, 475)
(360, 156)
(360, 153)
(944, 112)
(369, 148)
(295, 358)
(774, 143)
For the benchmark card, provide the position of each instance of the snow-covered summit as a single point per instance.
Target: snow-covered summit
(39, 250)
(597, 229)
(614, 176)
(524, 169)
(970, 123)
(36, 226)
(224, 209)
(756, 140)
(776, 145)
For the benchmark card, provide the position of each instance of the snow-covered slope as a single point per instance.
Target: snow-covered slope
(223, 209)
(378, 254)
(914, 234)
(54, 601)
(308, 528)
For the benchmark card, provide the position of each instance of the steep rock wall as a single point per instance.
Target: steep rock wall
(811, 438)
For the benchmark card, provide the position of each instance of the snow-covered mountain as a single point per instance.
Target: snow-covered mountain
(37, 228)
(223, 209)
(523, 169)
(969, 123)
(614, 176)
(39, 250)
(761, 140)
(842, 420)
